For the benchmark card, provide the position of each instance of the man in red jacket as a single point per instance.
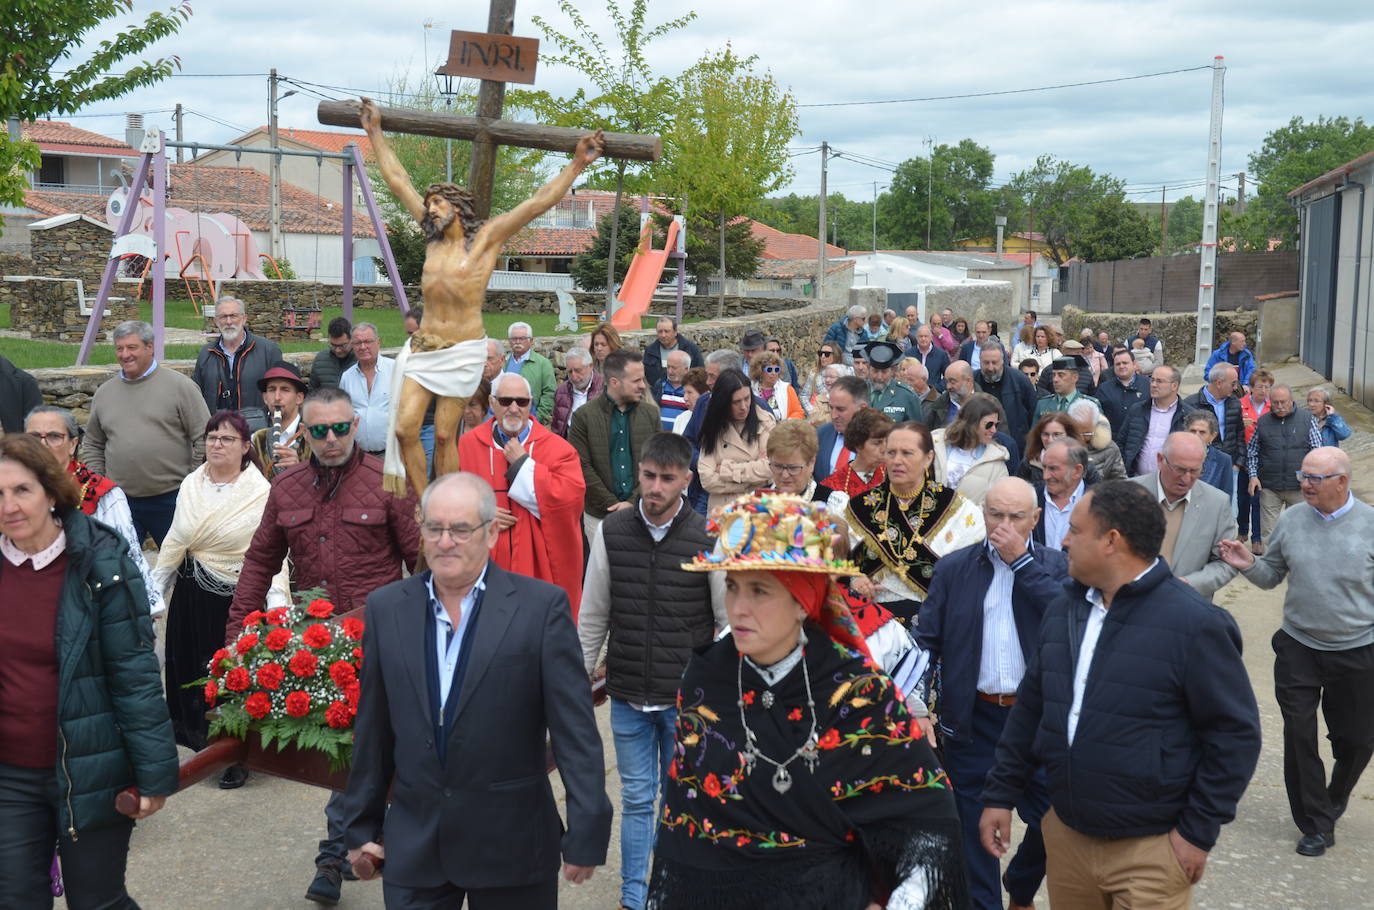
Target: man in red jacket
(345, 534)
(539, 488)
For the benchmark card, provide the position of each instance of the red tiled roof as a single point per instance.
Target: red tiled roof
(320, 139)
(58, 136)
(549, 241)
(780, 245)
(239, 191)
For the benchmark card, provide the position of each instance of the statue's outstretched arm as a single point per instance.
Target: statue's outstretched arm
(502, 227)
(387, 162)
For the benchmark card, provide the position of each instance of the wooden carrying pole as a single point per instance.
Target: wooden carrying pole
(502, 132)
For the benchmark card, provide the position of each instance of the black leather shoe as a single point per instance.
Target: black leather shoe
(233, 777)
(1316, 844)
(327, 885)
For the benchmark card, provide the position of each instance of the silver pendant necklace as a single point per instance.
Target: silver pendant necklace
(807, 751)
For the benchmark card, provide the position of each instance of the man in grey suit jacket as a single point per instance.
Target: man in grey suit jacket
(1197, 515)
(466, 666)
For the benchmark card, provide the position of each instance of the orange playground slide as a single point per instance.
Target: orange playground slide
(645, 271)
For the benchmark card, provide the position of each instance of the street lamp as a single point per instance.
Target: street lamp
(875, 214)
(446, 88)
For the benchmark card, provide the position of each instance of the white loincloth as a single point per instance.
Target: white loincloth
(451, 372)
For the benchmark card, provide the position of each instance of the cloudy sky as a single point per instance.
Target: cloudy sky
(1282, 58)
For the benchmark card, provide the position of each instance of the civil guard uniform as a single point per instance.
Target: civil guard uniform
(894, 398)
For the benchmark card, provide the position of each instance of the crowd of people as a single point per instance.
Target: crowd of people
(849, 616)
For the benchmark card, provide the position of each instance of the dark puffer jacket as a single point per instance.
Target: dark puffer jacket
(1168, 732)
(345, 534)
(113, 729)
(1232, 438)
(659, 613)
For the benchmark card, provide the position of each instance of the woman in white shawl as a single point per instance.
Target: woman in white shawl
(219, 507)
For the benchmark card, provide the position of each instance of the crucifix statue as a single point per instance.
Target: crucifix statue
(444, 358)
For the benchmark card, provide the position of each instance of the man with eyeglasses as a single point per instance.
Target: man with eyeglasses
(539, 489)
(847, 332)
(1282, 439)
(470, 670)
(534, 366)
(368, 384)
(330, 363)
(981, 621)
(227, 370)
(1148, 423)
(1197, 516)
(650, 615)
(345, 534)
(1324, 647)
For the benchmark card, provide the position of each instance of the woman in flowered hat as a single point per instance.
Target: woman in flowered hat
(798, 778)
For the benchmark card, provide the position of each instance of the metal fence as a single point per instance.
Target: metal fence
(530, 281)
(1169, 284)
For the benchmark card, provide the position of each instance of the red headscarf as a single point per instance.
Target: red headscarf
(824, 605)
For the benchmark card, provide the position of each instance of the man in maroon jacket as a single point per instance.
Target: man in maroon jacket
(345, 534)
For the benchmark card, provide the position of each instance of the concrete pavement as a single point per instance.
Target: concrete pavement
(253, 847)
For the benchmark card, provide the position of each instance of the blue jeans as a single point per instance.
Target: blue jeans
(427, 442)
(968, 763)
(643, 749)
(152, 515)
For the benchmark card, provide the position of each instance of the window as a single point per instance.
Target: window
(52, 170)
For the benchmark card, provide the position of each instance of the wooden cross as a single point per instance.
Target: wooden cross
(487, 130)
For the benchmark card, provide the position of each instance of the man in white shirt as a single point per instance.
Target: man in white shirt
(368, 384)
(980, 620)
(1065, 462)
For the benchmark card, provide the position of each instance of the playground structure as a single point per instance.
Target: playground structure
(632, 300)
(210, 247)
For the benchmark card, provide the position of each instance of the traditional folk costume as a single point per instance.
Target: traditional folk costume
(846, 483)
(545, 491)
(197, 570)
(898, 540)
(805, 784)
(103, 500)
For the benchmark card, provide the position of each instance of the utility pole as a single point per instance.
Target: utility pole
(820, 258)
(1163, 224)
(1207, 277)
(875, 216)
(274, 211)
(1240, 193)
(930, 182)
(177, 117)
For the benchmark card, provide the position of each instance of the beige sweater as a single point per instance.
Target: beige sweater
(146, 434)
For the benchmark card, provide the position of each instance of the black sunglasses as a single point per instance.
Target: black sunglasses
(321, 430)
(825, 353)
(505, 401)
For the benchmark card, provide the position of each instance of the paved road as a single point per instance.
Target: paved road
(253, 848)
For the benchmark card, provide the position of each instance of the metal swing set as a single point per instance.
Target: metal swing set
(154, 161)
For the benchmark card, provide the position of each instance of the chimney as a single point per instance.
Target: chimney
(133, 130)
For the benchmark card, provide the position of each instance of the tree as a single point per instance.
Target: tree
(848, 222)
(1185, 225)
(1115, 229)
(1291, 156)
(629, 96)
(955, 197)
(727, 147)
(1059, 200)
(742, 250)
(407, 248)
(39, 35)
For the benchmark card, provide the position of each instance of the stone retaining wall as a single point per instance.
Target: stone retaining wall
(800, 329)
(1178, 331)
(48, 308)
(13, 264)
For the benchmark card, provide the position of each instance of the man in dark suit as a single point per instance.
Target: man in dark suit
(982, 332)
(981, 621)
(931, 356)
(847, 397)
(1011, 388)
(467, 666)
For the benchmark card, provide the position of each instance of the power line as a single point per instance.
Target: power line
(1014, 91)
(204, 116)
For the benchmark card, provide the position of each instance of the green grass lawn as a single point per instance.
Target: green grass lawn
(31, 355)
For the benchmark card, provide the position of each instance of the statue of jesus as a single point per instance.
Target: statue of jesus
(444, 358)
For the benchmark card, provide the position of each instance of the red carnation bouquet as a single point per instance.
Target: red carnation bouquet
(291, 676)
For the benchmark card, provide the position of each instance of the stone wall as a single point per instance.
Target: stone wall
(800, 329)
(78, 249)
(1178, 331)
(13, 264)
(48, 308)
(266, 300)
(974, 302)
